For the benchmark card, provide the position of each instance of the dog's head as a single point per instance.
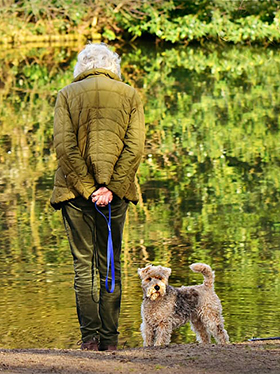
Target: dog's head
(154, 281)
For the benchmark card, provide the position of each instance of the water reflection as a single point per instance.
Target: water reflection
(210, 189)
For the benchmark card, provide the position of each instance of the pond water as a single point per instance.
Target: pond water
(209, 182)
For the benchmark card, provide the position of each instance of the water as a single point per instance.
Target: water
(209, 181)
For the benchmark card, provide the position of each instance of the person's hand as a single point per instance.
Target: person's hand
(102, 196)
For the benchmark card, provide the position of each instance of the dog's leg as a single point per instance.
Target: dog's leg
(163, 334)
(219, 333)
(202, 335)
(214, 324)
(147, 334)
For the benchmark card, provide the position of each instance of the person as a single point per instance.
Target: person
(99, 135)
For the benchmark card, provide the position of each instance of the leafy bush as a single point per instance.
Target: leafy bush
(175, 21)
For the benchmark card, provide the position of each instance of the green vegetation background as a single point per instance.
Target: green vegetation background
(212, 119)
(210, 178)
(236, 21)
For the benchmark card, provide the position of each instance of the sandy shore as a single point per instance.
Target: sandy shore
(253, 358)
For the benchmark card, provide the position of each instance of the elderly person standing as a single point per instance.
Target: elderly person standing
(99, 141)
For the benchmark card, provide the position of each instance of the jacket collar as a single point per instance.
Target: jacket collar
(94, 72)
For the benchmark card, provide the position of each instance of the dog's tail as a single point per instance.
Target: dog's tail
(206, 271)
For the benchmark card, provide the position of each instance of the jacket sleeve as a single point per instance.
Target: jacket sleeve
(68, 154)
(129, 160)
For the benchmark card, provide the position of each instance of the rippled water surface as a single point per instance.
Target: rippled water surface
(209, 186)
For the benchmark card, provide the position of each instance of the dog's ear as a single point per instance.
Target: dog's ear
(142, 272)
(166, 272)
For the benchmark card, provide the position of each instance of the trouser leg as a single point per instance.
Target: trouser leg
(88, 233)
(80, 230)
(109, 305)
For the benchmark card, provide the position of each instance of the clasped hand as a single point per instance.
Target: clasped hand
(102, 197)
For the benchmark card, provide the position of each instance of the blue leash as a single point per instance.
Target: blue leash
(110, 251)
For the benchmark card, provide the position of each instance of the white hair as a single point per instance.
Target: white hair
(95, 56)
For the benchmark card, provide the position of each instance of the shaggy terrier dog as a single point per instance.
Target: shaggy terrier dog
(165, 308)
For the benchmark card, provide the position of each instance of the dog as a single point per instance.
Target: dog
(165, 308)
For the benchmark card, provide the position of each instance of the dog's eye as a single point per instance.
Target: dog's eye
(149, 279)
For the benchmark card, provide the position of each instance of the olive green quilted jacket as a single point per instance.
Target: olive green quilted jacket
(99, 137)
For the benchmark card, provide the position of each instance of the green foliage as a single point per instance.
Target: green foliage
(210, 178)
(176, 21)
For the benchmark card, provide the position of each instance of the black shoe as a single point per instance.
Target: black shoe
(108, 348)
(91, 345)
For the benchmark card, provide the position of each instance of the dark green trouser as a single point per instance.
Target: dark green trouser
(98, 310)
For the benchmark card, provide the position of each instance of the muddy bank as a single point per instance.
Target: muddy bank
(257, 358)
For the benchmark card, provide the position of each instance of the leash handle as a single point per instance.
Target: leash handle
(110, 252)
